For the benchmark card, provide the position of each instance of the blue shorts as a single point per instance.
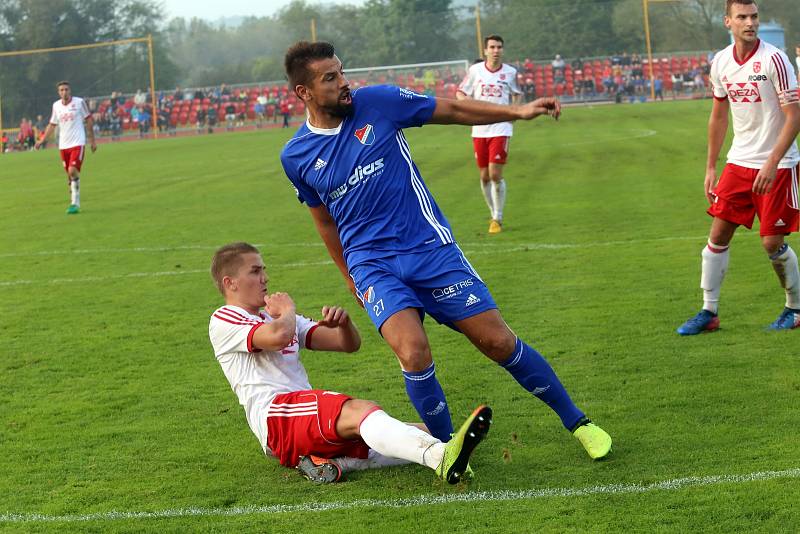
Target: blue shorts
(439, 282)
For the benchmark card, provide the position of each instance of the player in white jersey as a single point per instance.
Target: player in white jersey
(492, 81)
(755, 82)
(72, 116)
(322, 433)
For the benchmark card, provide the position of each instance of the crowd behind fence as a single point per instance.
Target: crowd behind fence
(619, 78)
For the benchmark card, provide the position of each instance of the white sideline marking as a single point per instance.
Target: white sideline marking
(481, 248)
(419, 500)
(317, 244)
(640, 134)
(138, 275)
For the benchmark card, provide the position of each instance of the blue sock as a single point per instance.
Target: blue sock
(533, 373)
(428, 398)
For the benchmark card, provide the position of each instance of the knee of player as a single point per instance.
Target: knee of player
(498, 345)
(415, 358)
(772, 244)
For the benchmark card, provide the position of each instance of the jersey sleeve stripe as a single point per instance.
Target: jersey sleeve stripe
(227, 320)
(250, 347)
(233, 314)
(783, 82)
(308, 336)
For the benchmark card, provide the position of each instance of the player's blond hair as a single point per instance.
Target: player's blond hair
(227, 260)
(729, 4)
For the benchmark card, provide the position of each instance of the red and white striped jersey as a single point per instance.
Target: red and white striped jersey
(69, 118)
(757, 86)
(496, 86)
(257, 376)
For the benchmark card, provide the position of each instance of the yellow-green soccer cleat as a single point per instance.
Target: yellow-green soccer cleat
(594, 439)
(455, 463)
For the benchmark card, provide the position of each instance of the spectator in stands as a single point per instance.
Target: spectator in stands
(199, 94)
(177, 96)
(201, 119)
(144, 121)
(230, 115)
(688, 81)
(587, 86)
(577, 64)
(114, 117)
(699, 82)
(636, 65)
(658, 88)
(677, 84)
(224, 92)
(139, 99)
(212, 118)
(528, 65)
(608, 79)
(285, 111)
(260, 110)
(625, 60)
(3, 142)
(25, 136)
(38, 129)
(558, 69)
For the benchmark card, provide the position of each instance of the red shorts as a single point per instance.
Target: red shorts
(304, 422)
(735, 201)
(72, 157)
(490, 150)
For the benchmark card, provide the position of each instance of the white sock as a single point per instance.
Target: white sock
(785, 264)
(375, 460)
(395, 439)
(499, 199)
(486, 187)
(715, 263)
(75, 192)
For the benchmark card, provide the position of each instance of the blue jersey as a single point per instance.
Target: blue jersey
(363, 173)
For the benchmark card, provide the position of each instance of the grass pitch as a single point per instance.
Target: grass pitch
(116, 416)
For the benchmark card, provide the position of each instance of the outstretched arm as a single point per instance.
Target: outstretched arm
(45, 135)
(326, 227)
(471, 112)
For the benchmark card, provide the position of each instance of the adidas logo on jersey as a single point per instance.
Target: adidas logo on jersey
(319, 164)
(780, 222)
(472, 299)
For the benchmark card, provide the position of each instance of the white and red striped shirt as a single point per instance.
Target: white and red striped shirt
(757, 87)
(496, 86)
(254, 375)
(70, 117)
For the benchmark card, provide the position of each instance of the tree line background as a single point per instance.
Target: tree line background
(197, 52)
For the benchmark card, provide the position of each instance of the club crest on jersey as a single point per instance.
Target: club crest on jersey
(743, 92)
(365, 135)
(756, 66)
(369, 295)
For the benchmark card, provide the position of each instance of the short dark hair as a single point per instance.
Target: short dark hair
(729, 3)
(300, 55)
(492, 37)
(227, 260)
(62, 82)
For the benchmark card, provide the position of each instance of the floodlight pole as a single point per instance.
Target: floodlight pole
(313, 30)
(478, 30)
(2, 148)
(645, 10)
(154, 117)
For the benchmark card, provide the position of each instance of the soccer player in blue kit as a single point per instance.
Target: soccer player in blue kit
(351, 165)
